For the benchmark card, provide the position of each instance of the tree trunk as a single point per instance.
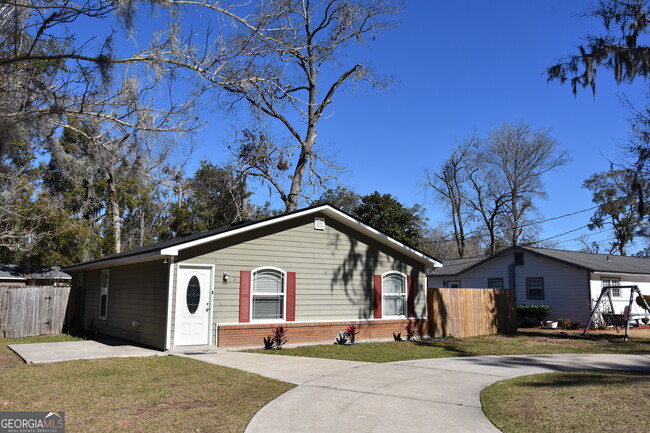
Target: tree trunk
(142, 228)
(115, 213)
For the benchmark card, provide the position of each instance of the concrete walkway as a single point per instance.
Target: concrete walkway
(429, 395)
(72, 350)
(292, 369)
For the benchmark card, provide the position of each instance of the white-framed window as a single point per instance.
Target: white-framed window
(103, 294)
(268, 288)
(614, 283)
(393, 294)
(454, 284)
(535, 288)
(495, 283)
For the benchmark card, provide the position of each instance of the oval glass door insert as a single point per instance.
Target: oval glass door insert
(193, 294)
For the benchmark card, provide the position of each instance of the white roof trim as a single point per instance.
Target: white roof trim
(620, 273)
(12, 278)
(326, 209)
(118, 261)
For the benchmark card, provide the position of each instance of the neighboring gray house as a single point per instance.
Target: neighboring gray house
(19, 276)
(316, 270)
(570, 282)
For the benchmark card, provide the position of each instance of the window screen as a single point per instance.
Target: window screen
(535, 288)
(394, 294)
(495, 283)
(614, 283)
(268, 294)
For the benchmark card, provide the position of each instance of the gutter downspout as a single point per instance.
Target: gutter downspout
(590, 300)
(170, 290)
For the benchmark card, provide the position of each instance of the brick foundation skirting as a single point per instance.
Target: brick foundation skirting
(315, 332)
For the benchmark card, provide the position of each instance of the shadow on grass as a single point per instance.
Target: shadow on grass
(593, 378)
(577, 336)
(451, 346)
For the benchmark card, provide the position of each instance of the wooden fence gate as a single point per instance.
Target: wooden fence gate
(471, 312)
(32, 310)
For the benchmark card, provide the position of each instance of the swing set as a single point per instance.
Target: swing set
(609, 317)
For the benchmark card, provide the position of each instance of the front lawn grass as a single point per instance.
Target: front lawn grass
(151, 394)
(570, 402)
(524, 342)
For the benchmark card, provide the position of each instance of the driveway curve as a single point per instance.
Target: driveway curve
(427, 395)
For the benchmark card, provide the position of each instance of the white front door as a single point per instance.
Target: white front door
(193, 306)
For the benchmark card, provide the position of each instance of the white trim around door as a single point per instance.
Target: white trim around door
(193, 306)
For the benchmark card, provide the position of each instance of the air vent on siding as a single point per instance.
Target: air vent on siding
(319, 223)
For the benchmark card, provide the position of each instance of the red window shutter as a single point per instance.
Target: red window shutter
(410, 296)
(291, 296)
(244, 296)
(377, 297)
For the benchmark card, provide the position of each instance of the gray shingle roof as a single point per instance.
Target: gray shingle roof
(16, 272)
(457, 266)
(597, 262)
(11, 272)
(587, 261)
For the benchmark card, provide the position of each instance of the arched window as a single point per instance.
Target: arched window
(394, 294)
(268, 290)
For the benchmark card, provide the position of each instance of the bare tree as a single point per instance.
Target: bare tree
(495, 181)
(282, 60)
(522, 156)
(450, 184)
(487, 195)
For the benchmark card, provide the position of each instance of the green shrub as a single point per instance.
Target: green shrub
(538, 313)
(639, 302)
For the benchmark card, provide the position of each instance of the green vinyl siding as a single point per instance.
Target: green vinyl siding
(334, 268)
(136, 293)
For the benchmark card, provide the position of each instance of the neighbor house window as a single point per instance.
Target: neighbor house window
(613, 283)
(394, 294)
(535, 288)
(453, 284)
(103, 294)
(268, 289)
(495, 283)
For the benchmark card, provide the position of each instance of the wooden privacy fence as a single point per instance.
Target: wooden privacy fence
(32, 310)
(471, 312)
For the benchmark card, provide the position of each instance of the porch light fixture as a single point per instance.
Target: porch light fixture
(226, 275)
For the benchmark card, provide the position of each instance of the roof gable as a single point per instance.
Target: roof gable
(173, 247)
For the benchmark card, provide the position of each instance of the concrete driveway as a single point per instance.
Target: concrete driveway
(429, 395)
(72, 350)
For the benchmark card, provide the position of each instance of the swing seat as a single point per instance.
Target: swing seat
(611, 319)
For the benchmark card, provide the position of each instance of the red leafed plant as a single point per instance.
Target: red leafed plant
(410, 330)
(279, 336)
(351, 332)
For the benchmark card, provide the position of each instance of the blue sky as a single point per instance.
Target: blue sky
(467, 66)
